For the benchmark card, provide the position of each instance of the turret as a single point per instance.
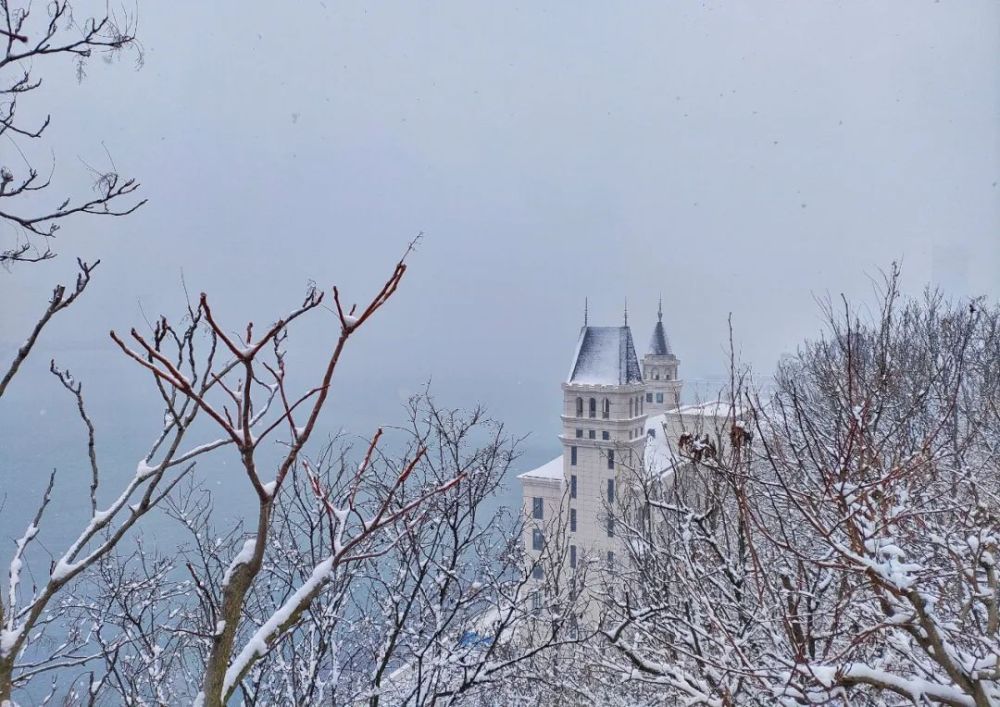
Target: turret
(659, 371)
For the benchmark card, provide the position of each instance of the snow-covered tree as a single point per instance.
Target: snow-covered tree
(430, 609)
(845, 548)
(32, 207)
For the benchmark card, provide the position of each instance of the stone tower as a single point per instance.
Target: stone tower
(659, 371)
(603, 431)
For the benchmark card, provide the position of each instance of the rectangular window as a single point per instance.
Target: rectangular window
(579, 434)
(536, 602)
(611, 559)
(611, 459)
(605, 435)
(611, 491)
(572, 520)
(537, 539)
(572, 456)
(572, 486)
(611, 527)
(590, 434)
(572, 555)
(659, 397)
(536, 572)
(537, 508)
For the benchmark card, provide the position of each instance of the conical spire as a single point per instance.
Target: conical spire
(659, 345)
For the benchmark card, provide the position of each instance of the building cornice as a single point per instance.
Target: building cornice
(595, 388)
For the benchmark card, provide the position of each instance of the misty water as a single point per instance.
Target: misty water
(42, 431)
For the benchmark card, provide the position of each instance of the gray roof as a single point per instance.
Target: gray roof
(605, 355)
(659, 345)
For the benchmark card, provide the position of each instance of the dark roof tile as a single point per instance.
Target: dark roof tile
(605, 356)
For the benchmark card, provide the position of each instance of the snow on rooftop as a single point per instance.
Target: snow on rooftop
(659, 456)
(718, 408)
(605, 356)
(659, 345)
(549, 471)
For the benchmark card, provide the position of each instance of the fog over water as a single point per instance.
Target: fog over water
(738, 157)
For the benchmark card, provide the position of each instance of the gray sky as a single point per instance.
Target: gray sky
(737, 157)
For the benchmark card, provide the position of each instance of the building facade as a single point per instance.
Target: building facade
(612, 425)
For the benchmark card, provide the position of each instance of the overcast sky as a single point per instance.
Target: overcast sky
(735, 157)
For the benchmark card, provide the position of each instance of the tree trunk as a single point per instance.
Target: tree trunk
(6, 680)
(231, 610)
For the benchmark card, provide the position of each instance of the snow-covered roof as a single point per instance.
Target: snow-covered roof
(605, 356)
(717, 408)
(548, 471)
(659, 457)
(659, 345)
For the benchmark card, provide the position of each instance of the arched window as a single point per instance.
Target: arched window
(606, 409)
(593, 407)
(579, 407)
(631, 403)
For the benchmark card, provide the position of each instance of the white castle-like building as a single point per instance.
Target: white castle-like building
(617, 416)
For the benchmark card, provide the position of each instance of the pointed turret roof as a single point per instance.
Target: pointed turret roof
(659, 345)
(605, 355)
